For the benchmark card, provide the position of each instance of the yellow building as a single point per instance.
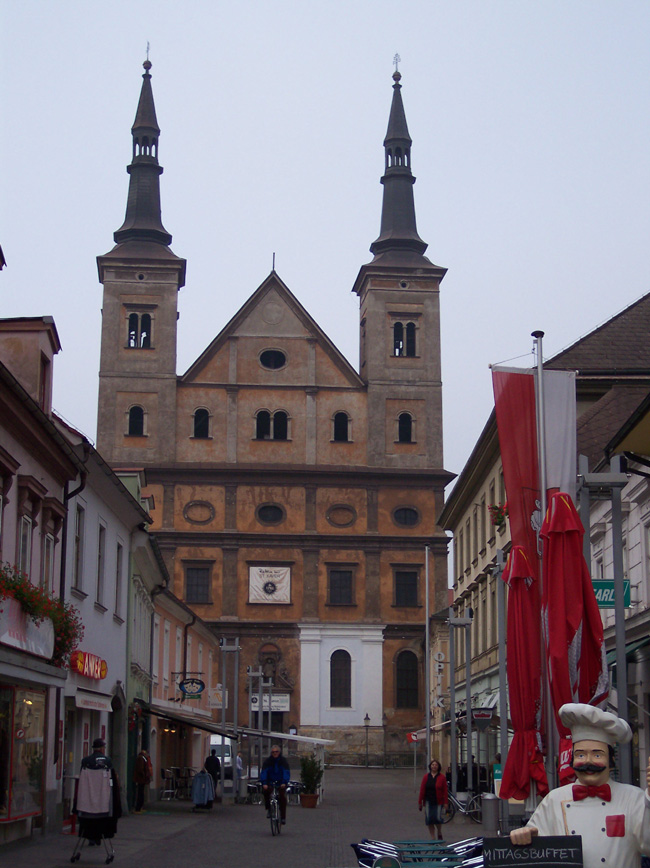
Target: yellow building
(294, 496)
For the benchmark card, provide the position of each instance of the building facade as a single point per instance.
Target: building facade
(36, 467)
(294, 496)
(612, 366)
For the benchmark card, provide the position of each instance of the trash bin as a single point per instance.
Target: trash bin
(490, 814)
(243, 788)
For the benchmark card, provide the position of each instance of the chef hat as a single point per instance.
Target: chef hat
(587, 722)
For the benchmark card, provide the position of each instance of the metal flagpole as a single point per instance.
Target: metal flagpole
(427, 658)
(551, 732)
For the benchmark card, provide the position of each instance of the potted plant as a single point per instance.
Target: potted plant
(311, 774)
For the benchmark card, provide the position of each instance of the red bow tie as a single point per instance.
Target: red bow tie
(581, 792)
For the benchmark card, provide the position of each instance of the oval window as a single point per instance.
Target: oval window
(198, 511)
(406, 516)
(341, 515)
(273, 359)
(270, 513)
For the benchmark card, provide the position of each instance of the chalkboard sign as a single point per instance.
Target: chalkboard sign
(557, 851)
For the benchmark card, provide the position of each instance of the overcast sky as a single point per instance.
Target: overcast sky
(530, 122)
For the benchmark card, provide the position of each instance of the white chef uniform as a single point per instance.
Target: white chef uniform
(614, 834)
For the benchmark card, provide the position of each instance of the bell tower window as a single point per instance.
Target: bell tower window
(404, 342)
(136, 420)
(139, 329)
(405, 428)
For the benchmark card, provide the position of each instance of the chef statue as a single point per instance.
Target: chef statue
(613, 818)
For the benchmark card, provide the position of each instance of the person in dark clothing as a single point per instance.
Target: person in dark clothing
(433, 797)
(275, 770)
(213, 767)
(97, 759)
(142, 775)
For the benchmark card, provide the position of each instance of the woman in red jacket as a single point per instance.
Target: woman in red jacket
(433, 795)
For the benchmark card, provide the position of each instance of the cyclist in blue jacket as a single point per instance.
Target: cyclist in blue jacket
(275, 770)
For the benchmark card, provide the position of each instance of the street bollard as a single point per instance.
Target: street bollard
(490, 814)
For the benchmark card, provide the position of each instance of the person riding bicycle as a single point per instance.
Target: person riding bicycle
(275, 770)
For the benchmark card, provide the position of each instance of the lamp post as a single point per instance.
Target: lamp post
(366, 723)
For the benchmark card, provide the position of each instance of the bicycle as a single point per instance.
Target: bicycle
(274, 811)
(473, 808)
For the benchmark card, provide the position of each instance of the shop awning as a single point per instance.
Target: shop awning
(630, 648)
(93, 701)
(196, 722)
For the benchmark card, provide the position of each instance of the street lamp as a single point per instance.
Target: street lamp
(366, 723)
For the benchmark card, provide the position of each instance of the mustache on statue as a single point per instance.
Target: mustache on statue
(588, 768)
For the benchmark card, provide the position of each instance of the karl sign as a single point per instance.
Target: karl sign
(604, 591)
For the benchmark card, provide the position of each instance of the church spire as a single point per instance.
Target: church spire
(143, 220)
(398, 237)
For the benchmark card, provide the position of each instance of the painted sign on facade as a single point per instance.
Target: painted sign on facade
(18, 630)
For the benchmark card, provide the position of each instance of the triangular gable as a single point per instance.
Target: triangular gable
(619, 345)
(255, 318)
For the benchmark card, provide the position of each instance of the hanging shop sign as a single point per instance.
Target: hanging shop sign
(18, 630)
(482, 718)
(90, 665)
(191, 687)
(217, 696)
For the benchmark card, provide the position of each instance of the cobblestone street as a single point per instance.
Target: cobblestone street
(358, 803)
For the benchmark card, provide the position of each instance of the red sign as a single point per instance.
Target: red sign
(411, 737)
(90, 665)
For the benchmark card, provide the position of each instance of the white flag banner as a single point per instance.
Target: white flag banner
(269, 584)
(560, 430)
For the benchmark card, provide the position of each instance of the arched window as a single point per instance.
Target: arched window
(406, 680)
(340, 680)
(139, 330)
(136, 422)
(145, 330)
(398, 339)
(341, 427)
(263, 425)
(133, 329)
(201, 423)
(280, 425)
(410, 339)
(405, 428)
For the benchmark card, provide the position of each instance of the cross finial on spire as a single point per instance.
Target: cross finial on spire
(396, 62)
(147, 50)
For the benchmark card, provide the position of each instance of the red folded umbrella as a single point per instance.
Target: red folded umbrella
(525, 760)
(573, 629)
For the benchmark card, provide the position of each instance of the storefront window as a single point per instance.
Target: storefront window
(22, 728)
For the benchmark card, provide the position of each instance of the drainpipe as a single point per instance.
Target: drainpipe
(67, 495)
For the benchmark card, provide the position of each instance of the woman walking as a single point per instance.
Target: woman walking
(434, 798)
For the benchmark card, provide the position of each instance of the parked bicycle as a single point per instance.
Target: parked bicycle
(274, 810)
(473, 808)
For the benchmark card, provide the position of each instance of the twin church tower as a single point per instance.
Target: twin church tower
(293, 496)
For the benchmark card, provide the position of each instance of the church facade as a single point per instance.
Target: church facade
(295, 497)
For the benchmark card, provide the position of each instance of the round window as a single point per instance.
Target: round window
(270, 513)
(406, 516)
(273, 359)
